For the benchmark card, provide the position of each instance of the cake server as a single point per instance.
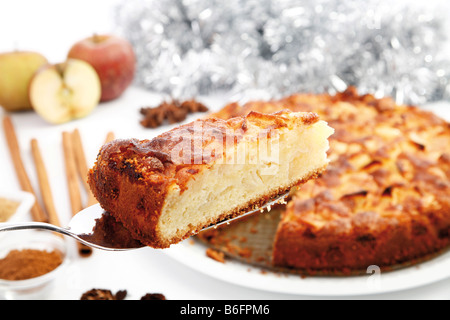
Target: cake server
(98, 229)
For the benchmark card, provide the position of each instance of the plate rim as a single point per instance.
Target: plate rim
(191, 253)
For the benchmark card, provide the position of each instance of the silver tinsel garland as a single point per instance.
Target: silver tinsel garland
(187, 48)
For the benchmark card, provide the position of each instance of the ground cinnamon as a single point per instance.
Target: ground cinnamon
(28, 263)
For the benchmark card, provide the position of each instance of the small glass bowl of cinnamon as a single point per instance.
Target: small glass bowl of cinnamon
(30, 263)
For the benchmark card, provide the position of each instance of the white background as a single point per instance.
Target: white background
(51, 27)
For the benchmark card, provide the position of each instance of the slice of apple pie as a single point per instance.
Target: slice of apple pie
(166, 189)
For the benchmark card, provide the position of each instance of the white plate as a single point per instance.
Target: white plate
(193, 255)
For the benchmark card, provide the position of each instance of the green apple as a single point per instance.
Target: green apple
(65, 91)
(16, 70)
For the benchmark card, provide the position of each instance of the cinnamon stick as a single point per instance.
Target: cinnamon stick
(44, 185)
(37, 212)
(81, 162)
(109, 137)
(82, 167)
(73, 184)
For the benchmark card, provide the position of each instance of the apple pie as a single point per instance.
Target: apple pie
(166, 189)
(385, 197)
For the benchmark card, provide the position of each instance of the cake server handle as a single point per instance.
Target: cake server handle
(91, 226)
(96, 228)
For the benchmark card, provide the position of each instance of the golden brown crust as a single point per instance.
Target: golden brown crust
(385, 197)
(120, 187)
(131, 178)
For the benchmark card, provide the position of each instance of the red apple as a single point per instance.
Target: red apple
(112, 57)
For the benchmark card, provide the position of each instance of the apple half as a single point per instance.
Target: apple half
(66, 91)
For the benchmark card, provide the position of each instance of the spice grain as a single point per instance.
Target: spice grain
(28, 263)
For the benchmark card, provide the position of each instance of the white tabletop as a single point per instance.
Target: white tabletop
(144, 270)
